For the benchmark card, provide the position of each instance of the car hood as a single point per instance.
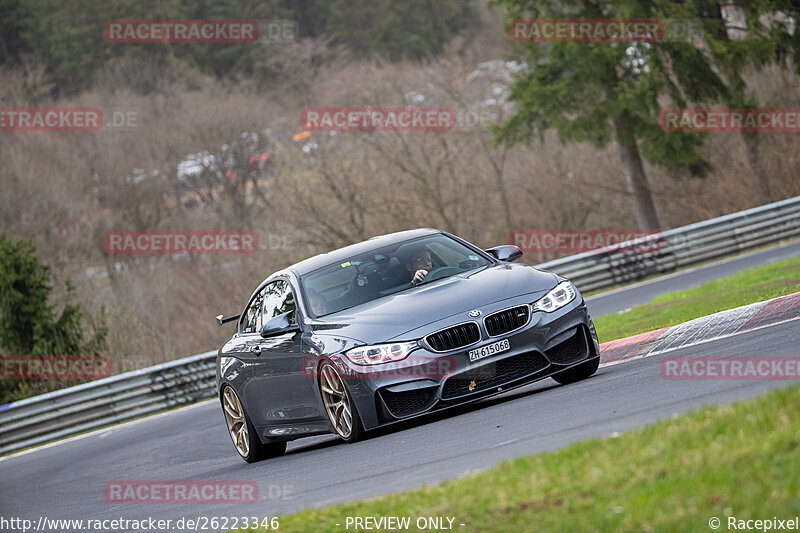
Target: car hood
(391, 316)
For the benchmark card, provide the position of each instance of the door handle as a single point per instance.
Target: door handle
(257, 350)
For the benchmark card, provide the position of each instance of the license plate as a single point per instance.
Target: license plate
(489, 349)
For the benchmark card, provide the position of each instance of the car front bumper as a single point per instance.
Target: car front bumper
(426, 381)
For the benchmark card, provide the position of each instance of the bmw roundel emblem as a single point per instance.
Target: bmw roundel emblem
(475, 313)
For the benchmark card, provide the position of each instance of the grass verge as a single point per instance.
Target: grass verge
(745, 287)
(736, 460)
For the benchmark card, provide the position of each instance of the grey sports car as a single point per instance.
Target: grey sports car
(391, 328)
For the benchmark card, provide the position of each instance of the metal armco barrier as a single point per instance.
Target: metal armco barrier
(108, 401)
(681, 247)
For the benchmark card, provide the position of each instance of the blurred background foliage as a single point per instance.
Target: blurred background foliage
(64, 38)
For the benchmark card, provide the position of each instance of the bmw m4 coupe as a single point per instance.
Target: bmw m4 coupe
(391, 328)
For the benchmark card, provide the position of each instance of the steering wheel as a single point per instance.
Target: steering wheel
(440, 272)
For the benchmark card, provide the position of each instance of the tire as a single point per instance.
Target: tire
(245, 439)
(577, 373)
(339, 406)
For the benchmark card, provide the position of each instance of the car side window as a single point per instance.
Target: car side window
(251, 322)
(278, 299)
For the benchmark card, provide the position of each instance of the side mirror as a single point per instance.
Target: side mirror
(222, 319)
(279, 325)
(507, 252)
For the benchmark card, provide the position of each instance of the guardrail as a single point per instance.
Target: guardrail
(185, 381)
(681, 247)
(106, 402)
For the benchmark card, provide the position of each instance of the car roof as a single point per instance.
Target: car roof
(340, 255)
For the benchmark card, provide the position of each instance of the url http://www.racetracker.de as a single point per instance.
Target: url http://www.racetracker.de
(198, 523)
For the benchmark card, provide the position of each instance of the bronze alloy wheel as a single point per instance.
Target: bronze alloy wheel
(338, 404)
(243, 434)
(237, 425)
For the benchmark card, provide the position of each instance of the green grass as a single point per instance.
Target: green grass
(740, 460)
(745, 287)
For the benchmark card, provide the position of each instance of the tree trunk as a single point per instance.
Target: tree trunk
(751, 140)
(753, 143)
(498, 177)
(634, 172)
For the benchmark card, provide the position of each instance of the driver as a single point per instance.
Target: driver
(418, 265)
(319, 305)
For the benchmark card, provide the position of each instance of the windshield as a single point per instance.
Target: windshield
(387, 270)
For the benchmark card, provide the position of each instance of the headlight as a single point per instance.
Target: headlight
(557, 298)
(381, 353)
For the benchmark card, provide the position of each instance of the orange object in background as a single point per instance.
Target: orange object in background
(301, 136)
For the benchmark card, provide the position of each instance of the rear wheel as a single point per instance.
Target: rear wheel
(339, 406)
(577, 373)
(242, 432)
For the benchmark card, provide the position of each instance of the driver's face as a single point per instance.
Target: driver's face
(319, 306)
(420, 260)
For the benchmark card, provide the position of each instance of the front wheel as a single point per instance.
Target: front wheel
(339, 406)
(242, 432)
(577, 373)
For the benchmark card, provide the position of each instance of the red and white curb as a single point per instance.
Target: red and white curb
(702, 330)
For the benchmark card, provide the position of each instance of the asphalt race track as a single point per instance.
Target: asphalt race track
(66, 480)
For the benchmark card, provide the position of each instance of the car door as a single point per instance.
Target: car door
(237, 354)
(279, 389)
